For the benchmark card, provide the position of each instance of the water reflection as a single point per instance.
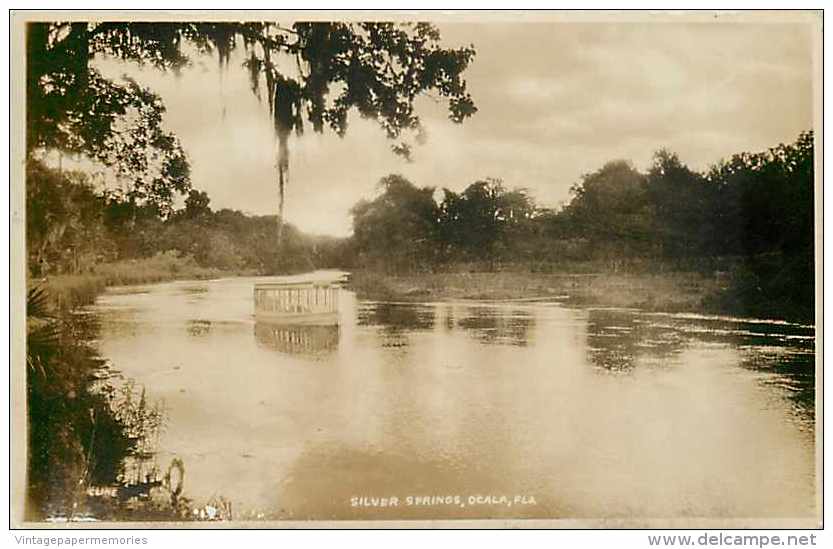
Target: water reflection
(496, 326)
(618, 339)
(198, 327)
(791, 371)
(297, 339)
(781, 353)
(712, 419)
(397, 317)
(737, 332)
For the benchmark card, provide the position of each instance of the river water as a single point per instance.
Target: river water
(517, 409)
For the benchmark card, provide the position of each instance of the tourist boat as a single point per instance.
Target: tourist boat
(306, 302)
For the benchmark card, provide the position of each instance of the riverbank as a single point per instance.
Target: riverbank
(84, 422)
(677, 291)
(738, 292)
(666, 292)
(68, 291)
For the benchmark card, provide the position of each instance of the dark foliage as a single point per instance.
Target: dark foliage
(72, 229)
(749, 221)
(75, 438)
(375, 68)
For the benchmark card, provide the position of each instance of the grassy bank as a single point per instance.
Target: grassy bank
(73, 290)
(738, 293)
(668, 292)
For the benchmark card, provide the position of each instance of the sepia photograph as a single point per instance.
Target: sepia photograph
(527, 269)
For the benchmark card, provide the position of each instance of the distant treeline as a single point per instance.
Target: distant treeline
(748, 220)
(72, 228)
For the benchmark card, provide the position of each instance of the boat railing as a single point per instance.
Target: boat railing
(288, 300)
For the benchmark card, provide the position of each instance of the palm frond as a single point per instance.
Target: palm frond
(42, 344)
(37, 303)
(42, 331)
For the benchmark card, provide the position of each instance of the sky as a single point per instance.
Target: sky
(555, 101)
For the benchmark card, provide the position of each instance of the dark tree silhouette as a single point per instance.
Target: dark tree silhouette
(197, 204)
(475, 223)
(376, 68)
(611, 207)
(72, 108)
(396, 231)
(682, 204)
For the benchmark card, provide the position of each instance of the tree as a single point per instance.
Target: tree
(397, 229)
(380, 67)
(73, 109)
(197, 204)
(764, 212)
(376, 68)
(683, 202)
(611, 206)
(764, 201)
(64, 221)
(480, 218)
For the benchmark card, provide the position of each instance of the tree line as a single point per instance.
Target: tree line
(73, 226)
(749, 218)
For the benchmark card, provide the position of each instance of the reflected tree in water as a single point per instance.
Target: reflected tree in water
(198, 328)
(785, 353)
(396, 318)
(618, 340)
(789, 367)
(497, 326)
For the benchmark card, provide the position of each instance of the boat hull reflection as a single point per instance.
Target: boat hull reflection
(303, 339)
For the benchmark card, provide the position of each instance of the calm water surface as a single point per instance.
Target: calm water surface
(594, 413)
